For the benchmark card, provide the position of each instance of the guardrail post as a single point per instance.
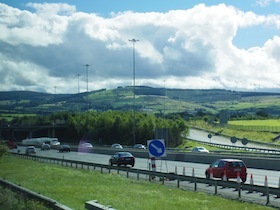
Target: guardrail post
(162, 180)
(216, 187)
(278, 194)
(127, 174)
(178, 183)
(195, 184)
(239, 189)
(267, 195)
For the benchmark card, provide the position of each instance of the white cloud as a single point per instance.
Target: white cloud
(264, 3)
(187, 48)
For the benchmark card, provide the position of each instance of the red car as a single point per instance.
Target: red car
(11, 144)
(227, 167)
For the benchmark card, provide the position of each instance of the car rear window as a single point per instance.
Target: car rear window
(236, 164)
(125, 154)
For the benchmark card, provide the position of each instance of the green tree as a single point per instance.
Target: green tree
(3, 149)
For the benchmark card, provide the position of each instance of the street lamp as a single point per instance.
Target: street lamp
(134, 121)
(87, 65)
(78, 75)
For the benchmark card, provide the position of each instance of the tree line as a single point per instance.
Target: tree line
(106, 128)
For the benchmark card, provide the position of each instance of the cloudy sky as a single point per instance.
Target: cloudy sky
(188, 44)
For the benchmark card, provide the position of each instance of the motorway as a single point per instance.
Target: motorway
(186, 168)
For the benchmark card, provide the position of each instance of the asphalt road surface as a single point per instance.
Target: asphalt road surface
(200, 135)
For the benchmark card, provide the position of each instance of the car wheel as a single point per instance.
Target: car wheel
(244, 180)
(132, 165)
(110, 163)
(118, 163)
(207, 175)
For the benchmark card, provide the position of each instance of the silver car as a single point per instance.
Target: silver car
(30, 150)
(117, 146)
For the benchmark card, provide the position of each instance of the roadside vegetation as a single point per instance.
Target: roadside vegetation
(73, 187)
(10, 200)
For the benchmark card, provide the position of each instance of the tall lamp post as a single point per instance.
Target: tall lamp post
(134, 120)
(78, 75)
(87, 65)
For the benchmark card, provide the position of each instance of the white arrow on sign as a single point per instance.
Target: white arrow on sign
(159, 149)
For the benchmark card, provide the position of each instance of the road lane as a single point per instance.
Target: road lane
(201, 135)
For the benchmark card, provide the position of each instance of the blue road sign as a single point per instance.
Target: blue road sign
(156, 148)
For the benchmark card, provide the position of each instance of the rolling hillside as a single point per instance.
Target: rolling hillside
(151, 100)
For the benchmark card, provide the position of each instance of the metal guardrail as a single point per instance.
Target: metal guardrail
(244, 148)
(265, 190)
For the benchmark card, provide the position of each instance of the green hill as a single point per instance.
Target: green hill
(148, 99)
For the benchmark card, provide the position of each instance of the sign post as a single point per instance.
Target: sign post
(156, 150)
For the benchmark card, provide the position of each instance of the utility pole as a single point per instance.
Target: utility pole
(134, 120)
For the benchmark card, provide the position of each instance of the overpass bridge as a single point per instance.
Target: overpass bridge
(19, 132)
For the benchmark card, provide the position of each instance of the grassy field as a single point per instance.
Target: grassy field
(73, 187)
(269, 122)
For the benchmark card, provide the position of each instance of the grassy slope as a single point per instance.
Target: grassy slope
(270, 122)
(74, 187)
(154, 99)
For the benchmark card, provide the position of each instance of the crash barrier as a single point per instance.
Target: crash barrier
(94, 205)
(163, 177)
(244, 148)
(28, 194)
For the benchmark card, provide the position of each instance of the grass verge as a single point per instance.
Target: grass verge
(73, 187)
(10, 200)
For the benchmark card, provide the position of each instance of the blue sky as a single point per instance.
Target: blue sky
(106, 6)
(185, 43)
